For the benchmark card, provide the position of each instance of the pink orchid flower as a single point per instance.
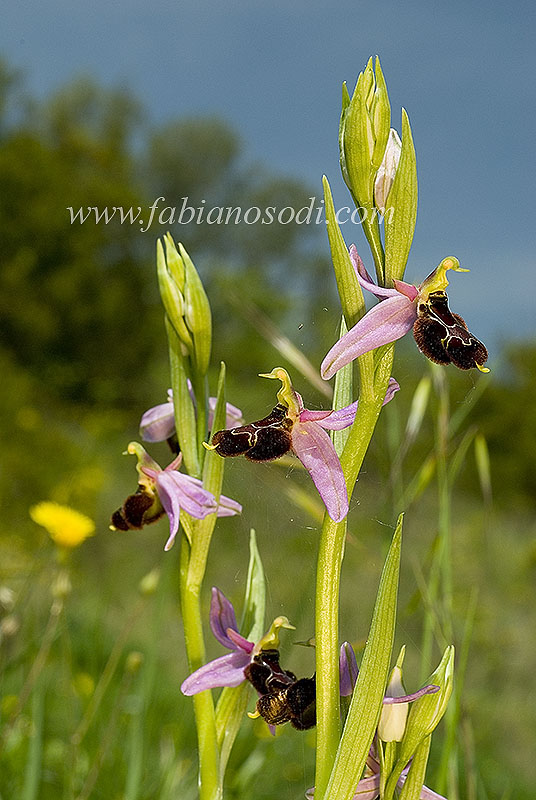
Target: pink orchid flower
(228, 670)
(167, 491)
(292, 427)
(441, 335)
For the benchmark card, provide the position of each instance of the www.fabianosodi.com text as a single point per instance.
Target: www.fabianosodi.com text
(185, 214)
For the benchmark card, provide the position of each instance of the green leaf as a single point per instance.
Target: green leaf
(350, 292)
(368, 694)
(402, 199)
(252, 624)
(358, 141)
(214, 464)
(414, 782)
(230, 711)
(381, 118)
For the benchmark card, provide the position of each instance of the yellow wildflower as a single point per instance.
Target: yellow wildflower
(67, 527)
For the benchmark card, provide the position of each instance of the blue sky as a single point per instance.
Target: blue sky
(465, 71)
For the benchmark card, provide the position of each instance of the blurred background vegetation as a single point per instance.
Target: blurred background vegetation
(90, 675)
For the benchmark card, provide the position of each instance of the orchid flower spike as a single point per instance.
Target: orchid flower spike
(167, 491)
(292, 427)
(228, 670)
(158, 423)
(441, 335)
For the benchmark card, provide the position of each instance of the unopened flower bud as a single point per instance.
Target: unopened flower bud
(387, 170)
(364, 132)
(171, 292)
(393, 717)
(426, 713)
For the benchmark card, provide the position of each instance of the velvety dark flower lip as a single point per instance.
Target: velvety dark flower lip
(441, 335)
(292, 427)
(167, 491)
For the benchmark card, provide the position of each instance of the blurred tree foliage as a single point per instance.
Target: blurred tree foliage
(79, 307)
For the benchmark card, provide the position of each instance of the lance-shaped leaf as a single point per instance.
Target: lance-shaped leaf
(367, 699)
(400, 225)
(350, 292)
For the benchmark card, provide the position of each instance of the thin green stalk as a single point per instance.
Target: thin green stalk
(209, 779)
(330, 554)
(371, 230)
(32, 772)
(200, 391)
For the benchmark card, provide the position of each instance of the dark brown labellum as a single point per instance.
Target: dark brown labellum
(266, 674)
(139, 509)
(283, 697)
(264, 440)
(444, 338)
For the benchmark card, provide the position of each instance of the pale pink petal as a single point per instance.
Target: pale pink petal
(315, 416)
(343, 417)
(384, 323)
(409, 698)
(407, 289)
(228, 507)
(158, 423)
(239, 642)
(364, 278)
(315, 450)
(227, 670)
(222, 617)
(177, 491)
(193, 498)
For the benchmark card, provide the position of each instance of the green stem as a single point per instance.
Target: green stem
(209, 782)
(372, 232)
(330, 555)
(200, 391)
